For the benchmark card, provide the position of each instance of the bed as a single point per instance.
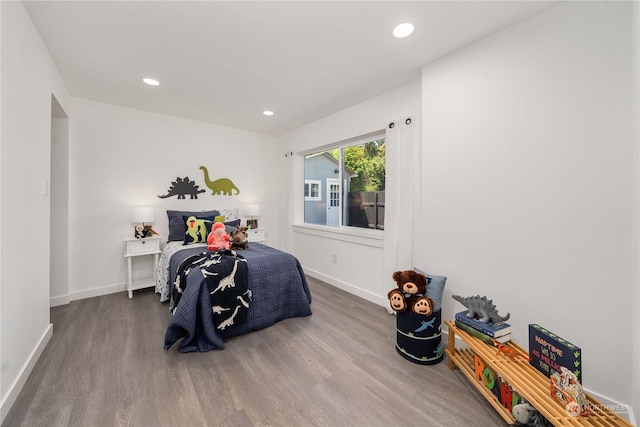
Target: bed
(276, 281)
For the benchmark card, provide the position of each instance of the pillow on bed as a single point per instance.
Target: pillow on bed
(435, 288)
(231, 214)
(177, 226)
(229, 226)
(200, 230)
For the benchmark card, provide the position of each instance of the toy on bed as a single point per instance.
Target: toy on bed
(239, 238)
(218, 238)
(409, 293)
(277, 283)
(196, 230)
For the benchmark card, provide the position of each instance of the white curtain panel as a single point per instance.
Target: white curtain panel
(401, 181)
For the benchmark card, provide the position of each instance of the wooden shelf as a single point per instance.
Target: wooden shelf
(524, 379)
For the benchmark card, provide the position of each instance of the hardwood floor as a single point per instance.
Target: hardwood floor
(105, 366)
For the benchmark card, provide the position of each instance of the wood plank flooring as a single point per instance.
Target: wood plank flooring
(105, 366)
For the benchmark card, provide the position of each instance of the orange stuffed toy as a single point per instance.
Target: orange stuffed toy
(218, 238)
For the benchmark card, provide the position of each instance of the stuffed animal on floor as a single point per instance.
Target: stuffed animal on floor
(409, 293)
(218, 238)
(527, 415)
(239, 238)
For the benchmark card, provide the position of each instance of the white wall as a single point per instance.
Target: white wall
(635, 112)
(121, 157)
(59, 197)
(529, 184)
(29, 78)
(359, 266)
(530, 178)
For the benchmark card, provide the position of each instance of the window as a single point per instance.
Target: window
(312, 189)
(354, 178)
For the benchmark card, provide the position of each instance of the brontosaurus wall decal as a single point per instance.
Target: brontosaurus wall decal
(222, 186)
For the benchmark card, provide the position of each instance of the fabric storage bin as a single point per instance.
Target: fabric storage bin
(418, 337)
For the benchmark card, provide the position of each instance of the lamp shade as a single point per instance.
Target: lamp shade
(143, 214)
(252, 210)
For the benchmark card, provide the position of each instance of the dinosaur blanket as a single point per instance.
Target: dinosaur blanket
(278, 288)
(211, 290)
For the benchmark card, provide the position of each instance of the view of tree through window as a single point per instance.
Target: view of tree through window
(354, 185)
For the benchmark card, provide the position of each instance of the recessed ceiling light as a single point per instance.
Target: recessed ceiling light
(151, 82)
(403, 30)
(268, 113)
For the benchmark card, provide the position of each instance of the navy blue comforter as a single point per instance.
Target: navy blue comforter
(279, 291)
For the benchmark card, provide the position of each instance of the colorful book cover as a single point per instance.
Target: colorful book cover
(495, 330)
(549, 353)
(482, 337)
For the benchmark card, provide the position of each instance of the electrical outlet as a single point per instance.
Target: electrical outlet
(334, 258)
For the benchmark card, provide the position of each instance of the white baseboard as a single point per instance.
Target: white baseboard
(369, 296)
(98, 292)
(622, 409)
(61, 300)
(632, 417)
(17, 385)
(87, 293)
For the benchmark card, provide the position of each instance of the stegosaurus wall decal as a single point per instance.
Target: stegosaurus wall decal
(181, 187)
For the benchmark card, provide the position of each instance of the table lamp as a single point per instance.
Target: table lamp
(142, 215)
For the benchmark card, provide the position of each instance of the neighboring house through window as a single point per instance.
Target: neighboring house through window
(312, 189)
(354, 178)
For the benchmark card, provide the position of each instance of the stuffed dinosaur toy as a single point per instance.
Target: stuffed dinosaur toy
(218, 238)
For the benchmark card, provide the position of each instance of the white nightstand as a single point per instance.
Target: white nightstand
(258, 235)
(141, 247)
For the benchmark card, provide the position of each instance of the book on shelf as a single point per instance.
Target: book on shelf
(482, 336)
(549, 352)
(494, 330)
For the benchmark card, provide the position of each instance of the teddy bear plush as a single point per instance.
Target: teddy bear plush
(218, 238)
(409, 293)
(410, 282)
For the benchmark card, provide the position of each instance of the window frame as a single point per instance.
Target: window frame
(311, 182)
(342, 230)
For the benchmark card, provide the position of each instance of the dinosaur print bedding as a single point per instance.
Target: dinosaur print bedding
(276, 289)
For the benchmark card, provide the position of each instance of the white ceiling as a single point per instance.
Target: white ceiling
(225, 62)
